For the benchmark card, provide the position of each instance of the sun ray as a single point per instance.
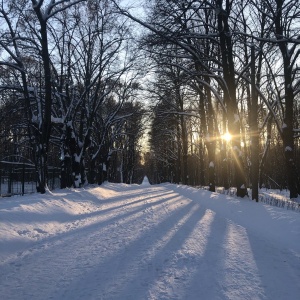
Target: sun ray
(227, 137)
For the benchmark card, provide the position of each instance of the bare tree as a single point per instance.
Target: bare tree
(28, 32)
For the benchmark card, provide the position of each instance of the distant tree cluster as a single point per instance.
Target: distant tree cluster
(68, 90)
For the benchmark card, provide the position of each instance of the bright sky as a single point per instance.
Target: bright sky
(136, 5)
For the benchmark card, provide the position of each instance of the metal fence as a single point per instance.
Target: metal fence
(274, 199)
(20, 178)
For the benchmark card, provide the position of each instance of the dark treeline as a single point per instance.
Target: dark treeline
(69, 83)
(222, 87)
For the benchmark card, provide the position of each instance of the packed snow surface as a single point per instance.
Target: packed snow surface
(139, 242)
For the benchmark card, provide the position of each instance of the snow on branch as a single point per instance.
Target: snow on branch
(270, 40)
(10, 87)
(11, 65)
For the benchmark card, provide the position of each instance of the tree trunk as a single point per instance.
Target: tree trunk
(92, 171)
(121, 168)
(254, 130)
(287, 126)
(45, 117)
(287, 132)
(179, 156)
(262, 166)
(211, 142)
(230, 99)
(76, 170)
(184, 150)
(203, 132)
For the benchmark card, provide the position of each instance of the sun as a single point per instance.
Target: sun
(227, 137)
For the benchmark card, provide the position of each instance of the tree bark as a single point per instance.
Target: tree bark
(45, 118)
(287, 126)
(254, 130)
(211, 143)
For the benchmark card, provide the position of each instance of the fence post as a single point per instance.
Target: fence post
(23, 179)
(9, 185)
(53, 178)
(0, 179)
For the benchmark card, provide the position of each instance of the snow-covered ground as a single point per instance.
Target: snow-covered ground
(138, 242)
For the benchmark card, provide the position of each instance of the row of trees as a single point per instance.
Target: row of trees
(68, 90)
(225, 66)
(69, 77)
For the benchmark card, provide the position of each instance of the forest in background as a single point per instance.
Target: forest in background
(215, 85)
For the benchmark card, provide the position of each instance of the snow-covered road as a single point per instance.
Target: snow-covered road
(146, 242)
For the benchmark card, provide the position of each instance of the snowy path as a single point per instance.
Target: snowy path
(145, 242)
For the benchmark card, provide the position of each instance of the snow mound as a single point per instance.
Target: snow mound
(145, 181)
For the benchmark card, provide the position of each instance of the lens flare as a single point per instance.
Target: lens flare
(227, 137)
